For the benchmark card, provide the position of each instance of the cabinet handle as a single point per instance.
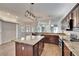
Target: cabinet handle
(22, 48)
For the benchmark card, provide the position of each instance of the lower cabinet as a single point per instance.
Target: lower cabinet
(54, 39)
(29, 50)
(35, 49)
(66, 51)
(71, 54)
(38, 48)
(41, 46)
(23, 49)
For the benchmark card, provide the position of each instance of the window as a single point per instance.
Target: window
(27, 28)
(22, 28)
(52, 28)
(42, 27)
(55, 28)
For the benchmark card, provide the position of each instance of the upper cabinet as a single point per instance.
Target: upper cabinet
(65, 22)
(76, 16)
(71, 21)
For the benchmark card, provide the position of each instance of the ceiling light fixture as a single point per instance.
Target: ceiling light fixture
(16, 16)
(8, 13)
(29, 14)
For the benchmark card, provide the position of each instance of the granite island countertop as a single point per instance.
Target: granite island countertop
(31, 40)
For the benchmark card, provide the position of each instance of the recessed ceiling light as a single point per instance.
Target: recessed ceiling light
(16, 16)
(8, 13)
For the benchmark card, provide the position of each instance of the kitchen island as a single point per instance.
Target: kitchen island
(32, 46)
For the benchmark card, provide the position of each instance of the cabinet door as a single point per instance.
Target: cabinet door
(66, 51)
(41, 46)
(35, 51)
(24, 50)
(18, 49)
(46, 39)
(76, 17)
(54, 39)
(27, 50)
(38, 48)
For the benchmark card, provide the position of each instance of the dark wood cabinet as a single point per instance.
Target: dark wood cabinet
(71, 54)
(29, 50)
(76, 16)
(73, 15)
(23, 49)
(41, 46)
(54, 39)
(38, 48)
(35, 49)
(66, 51)
(18, 49)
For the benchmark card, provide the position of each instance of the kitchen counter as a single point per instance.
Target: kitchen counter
(54, 34)
(72, 46)
(31, 40)
(47, 33)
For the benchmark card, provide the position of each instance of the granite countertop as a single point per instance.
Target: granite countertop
(54, 34)
(31, 40)
(73, 46)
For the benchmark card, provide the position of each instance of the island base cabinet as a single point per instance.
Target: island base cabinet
(41, 46)
(23, 49)
(35, 50)
(29, 50)
(38, 48)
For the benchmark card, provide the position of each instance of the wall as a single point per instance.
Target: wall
(17, 33)
(8, 31)
(0, 32)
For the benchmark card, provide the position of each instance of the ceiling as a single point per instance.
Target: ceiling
(43, 11)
